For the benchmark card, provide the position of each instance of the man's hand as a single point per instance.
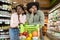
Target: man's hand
(31, 10)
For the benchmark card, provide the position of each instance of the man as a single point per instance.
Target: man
(34, 15)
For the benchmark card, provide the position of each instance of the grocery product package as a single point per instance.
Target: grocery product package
(29, 32)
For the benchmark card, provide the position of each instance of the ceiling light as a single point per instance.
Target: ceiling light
(34, 0)
(14, 2)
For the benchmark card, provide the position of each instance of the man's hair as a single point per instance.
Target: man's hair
(29, 5)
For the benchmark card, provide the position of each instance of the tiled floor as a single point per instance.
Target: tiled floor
(46, 38)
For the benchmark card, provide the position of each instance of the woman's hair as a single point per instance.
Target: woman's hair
(29, 5)
(21, 7)
(14, 8)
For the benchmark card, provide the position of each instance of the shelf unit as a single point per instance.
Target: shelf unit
(5, 3)
(4, 6)
(4, 32)
(5, 9)
(52, 37)
(54, 23)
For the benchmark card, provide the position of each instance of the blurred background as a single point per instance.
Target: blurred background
(51, 8)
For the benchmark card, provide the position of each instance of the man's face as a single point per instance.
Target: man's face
(19, 10)
(33, 9)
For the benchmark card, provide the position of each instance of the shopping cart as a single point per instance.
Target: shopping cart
(29, 32)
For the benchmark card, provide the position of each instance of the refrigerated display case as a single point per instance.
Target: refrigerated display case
(53, 31)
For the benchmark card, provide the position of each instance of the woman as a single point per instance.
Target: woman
(16, 19)
(34, 15)
(21, 14)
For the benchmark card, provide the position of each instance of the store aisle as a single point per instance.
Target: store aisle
(46, 38)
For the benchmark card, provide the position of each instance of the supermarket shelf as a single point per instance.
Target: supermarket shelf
(54, 18)
(52, 37)
(4, 30)
(1, 23)
(4, 22)
(5, 3)
(4, 36)
(52, 25)
(4, 10)
(4, 16)
(56, 7)
(55, 30)
(4, 33)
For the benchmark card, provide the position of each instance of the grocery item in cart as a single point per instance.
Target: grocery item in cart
(29, 32)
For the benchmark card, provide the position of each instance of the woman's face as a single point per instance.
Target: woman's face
(33, 9)
(19, 10)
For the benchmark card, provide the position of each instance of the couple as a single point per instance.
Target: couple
(33, 16)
